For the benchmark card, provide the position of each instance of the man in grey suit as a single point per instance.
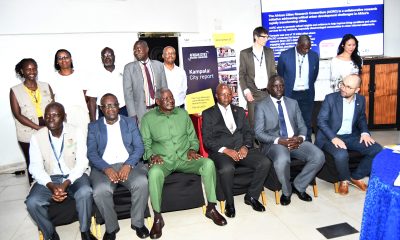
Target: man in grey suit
(141, 80)
(257, 64)
(281, 131)
(114, 149)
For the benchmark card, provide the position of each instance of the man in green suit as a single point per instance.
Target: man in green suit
(171, 145)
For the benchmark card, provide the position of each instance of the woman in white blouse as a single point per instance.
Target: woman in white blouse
(347, 61)
(69, 90)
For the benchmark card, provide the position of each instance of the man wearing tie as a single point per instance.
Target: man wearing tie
(281, 131)
(141, 80)
(299, 68)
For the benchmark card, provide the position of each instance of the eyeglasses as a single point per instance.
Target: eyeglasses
(342, 85)
(111, 106)
(263, 36)
(63, 58)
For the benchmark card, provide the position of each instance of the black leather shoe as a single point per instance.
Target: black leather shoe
(55, 236)
(141, 232)
(302, 195)
(214, 215)
(156, 230)
(285, 200)
(230, 211)
(87, 236)
(254, 203)
(109, 236)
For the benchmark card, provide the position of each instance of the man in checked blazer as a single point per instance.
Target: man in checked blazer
(139, 85)
(281, 131)
(257, 64)
(229, 140)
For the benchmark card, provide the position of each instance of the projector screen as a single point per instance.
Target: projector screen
(325, 21)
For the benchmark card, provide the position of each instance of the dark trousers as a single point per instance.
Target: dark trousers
(341, 156)
(306, 105)
(226, 169)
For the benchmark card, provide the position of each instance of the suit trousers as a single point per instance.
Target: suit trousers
(39, 199)
(260, 95)
(226, 169)
(306, 105)
(341, 156)
(158, 172)
(103, 190)
(281, 157)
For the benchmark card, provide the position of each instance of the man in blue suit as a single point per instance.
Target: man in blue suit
(114, 149)
(299, 68)
(343, 126)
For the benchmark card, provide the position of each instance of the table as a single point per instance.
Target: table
(381, 217)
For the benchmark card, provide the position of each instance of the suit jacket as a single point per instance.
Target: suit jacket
(97, 142)
(287, 70)
(331, 115)
(217, 135)
(247, 70)
(266, 124)
(134, 89)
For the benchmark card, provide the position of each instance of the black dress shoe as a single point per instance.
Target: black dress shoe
(87, 236)
(230, 211)
(109, 236)
(285, 200)
(302, 195)
(156, 230)
(141, 232)
(55, 236)
(254, 203)
(214, 215)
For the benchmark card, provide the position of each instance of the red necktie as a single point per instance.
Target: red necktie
(149, 83)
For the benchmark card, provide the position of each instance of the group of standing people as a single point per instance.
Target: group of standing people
(139, 116)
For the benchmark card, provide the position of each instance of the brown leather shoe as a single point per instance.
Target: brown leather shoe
(343, 188)
(217, 218)
(156, 230)
(360, 184)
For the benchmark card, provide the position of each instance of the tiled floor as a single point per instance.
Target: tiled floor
(297, 221)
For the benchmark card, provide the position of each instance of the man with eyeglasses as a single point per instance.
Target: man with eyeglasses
(299, 68)
(107, 80)
(114, 150)
(343, 126)
(257, 64)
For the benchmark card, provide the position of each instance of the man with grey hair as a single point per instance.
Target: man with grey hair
(176, 76)
(299, 68)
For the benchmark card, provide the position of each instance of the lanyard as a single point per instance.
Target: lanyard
(300, 63)
(262, 56)
(55, 154)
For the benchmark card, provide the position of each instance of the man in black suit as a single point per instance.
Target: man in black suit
(228, 138)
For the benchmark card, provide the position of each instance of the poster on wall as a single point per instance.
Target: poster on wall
(227, 70)
(200, 64)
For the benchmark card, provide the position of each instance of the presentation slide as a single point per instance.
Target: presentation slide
(325, 22)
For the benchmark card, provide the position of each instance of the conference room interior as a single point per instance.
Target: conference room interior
(300, 220)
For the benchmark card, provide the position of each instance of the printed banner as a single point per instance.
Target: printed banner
(200, 64)
(227, 70)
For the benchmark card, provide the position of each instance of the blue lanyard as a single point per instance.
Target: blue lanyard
(55, 154)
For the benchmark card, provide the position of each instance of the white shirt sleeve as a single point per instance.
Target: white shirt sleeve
(36, 166)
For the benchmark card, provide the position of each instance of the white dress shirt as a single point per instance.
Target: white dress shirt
(115, 151)
(301, 81)
(289, 127)
(177, 83)
(228, 119)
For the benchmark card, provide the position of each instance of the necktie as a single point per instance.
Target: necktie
(282, 122)
(149, 83)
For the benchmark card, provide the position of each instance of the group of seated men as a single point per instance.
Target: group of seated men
(167, 140)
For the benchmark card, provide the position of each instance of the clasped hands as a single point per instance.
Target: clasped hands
(59, 191)
(291, 143)
(237, 155)
(120, 176)
(157, 159)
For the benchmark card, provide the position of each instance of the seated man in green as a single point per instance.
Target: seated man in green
(171, 145)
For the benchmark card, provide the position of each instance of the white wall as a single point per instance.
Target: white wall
(38, 28)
